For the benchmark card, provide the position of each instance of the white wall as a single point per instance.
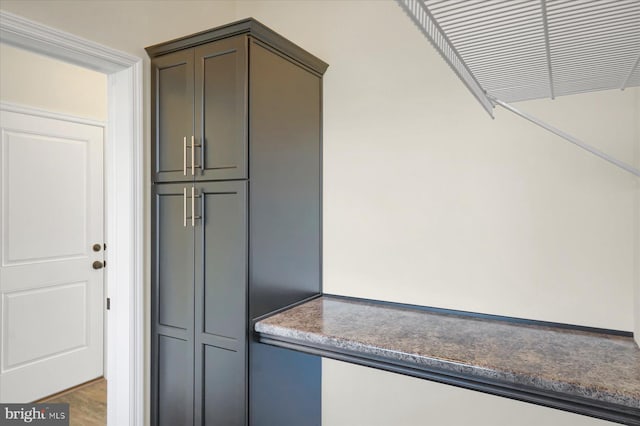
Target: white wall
(368, 397)
(41, 82)
(129, 25)
(426, 199)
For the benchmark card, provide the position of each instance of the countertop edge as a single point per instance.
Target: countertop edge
(418, 361)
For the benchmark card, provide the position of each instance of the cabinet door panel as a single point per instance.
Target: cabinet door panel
(174, 258)
(224, 387)
(221, 300)
(221, 263)
(224, 265)
(221, 117)
(175, 385)
(172, 81)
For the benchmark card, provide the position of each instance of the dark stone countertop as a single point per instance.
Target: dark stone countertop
(588, 365)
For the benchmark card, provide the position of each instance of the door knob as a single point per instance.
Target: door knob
(98, 265)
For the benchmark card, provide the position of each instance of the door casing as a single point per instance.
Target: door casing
(124, 208)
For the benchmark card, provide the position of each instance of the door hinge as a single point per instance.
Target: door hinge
(108, 303)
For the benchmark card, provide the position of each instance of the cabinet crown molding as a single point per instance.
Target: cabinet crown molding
(248, 26)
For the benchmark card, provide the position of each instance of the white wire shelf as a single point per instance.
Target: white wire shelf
(529, 49)
(516, 50)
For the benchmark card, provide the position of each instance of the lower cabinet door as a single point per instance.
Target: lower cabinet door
(172, 302)
(220, 304)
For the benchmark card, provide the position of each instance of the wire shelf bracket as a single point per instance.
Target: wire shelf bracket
(566, 136)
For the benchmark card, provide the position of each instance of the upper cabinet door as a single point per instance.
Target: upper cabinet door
(172, 116)
(221, 109)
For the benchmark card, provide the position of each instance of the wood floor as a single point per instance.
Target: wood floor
(87, 403)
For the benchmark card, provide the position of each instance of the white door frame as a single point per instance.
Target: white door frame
(124, 203)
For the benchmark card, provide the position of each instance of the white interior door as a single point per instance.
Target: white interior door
(51, 214)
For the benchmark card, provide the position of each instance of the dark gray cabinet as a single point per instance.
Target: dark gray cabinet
(236, 225)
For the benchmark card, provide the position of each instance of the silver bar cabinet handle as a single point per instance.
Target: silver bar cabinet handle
(184, 206)
(193, 156)
(193, 206)
(184, 156)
